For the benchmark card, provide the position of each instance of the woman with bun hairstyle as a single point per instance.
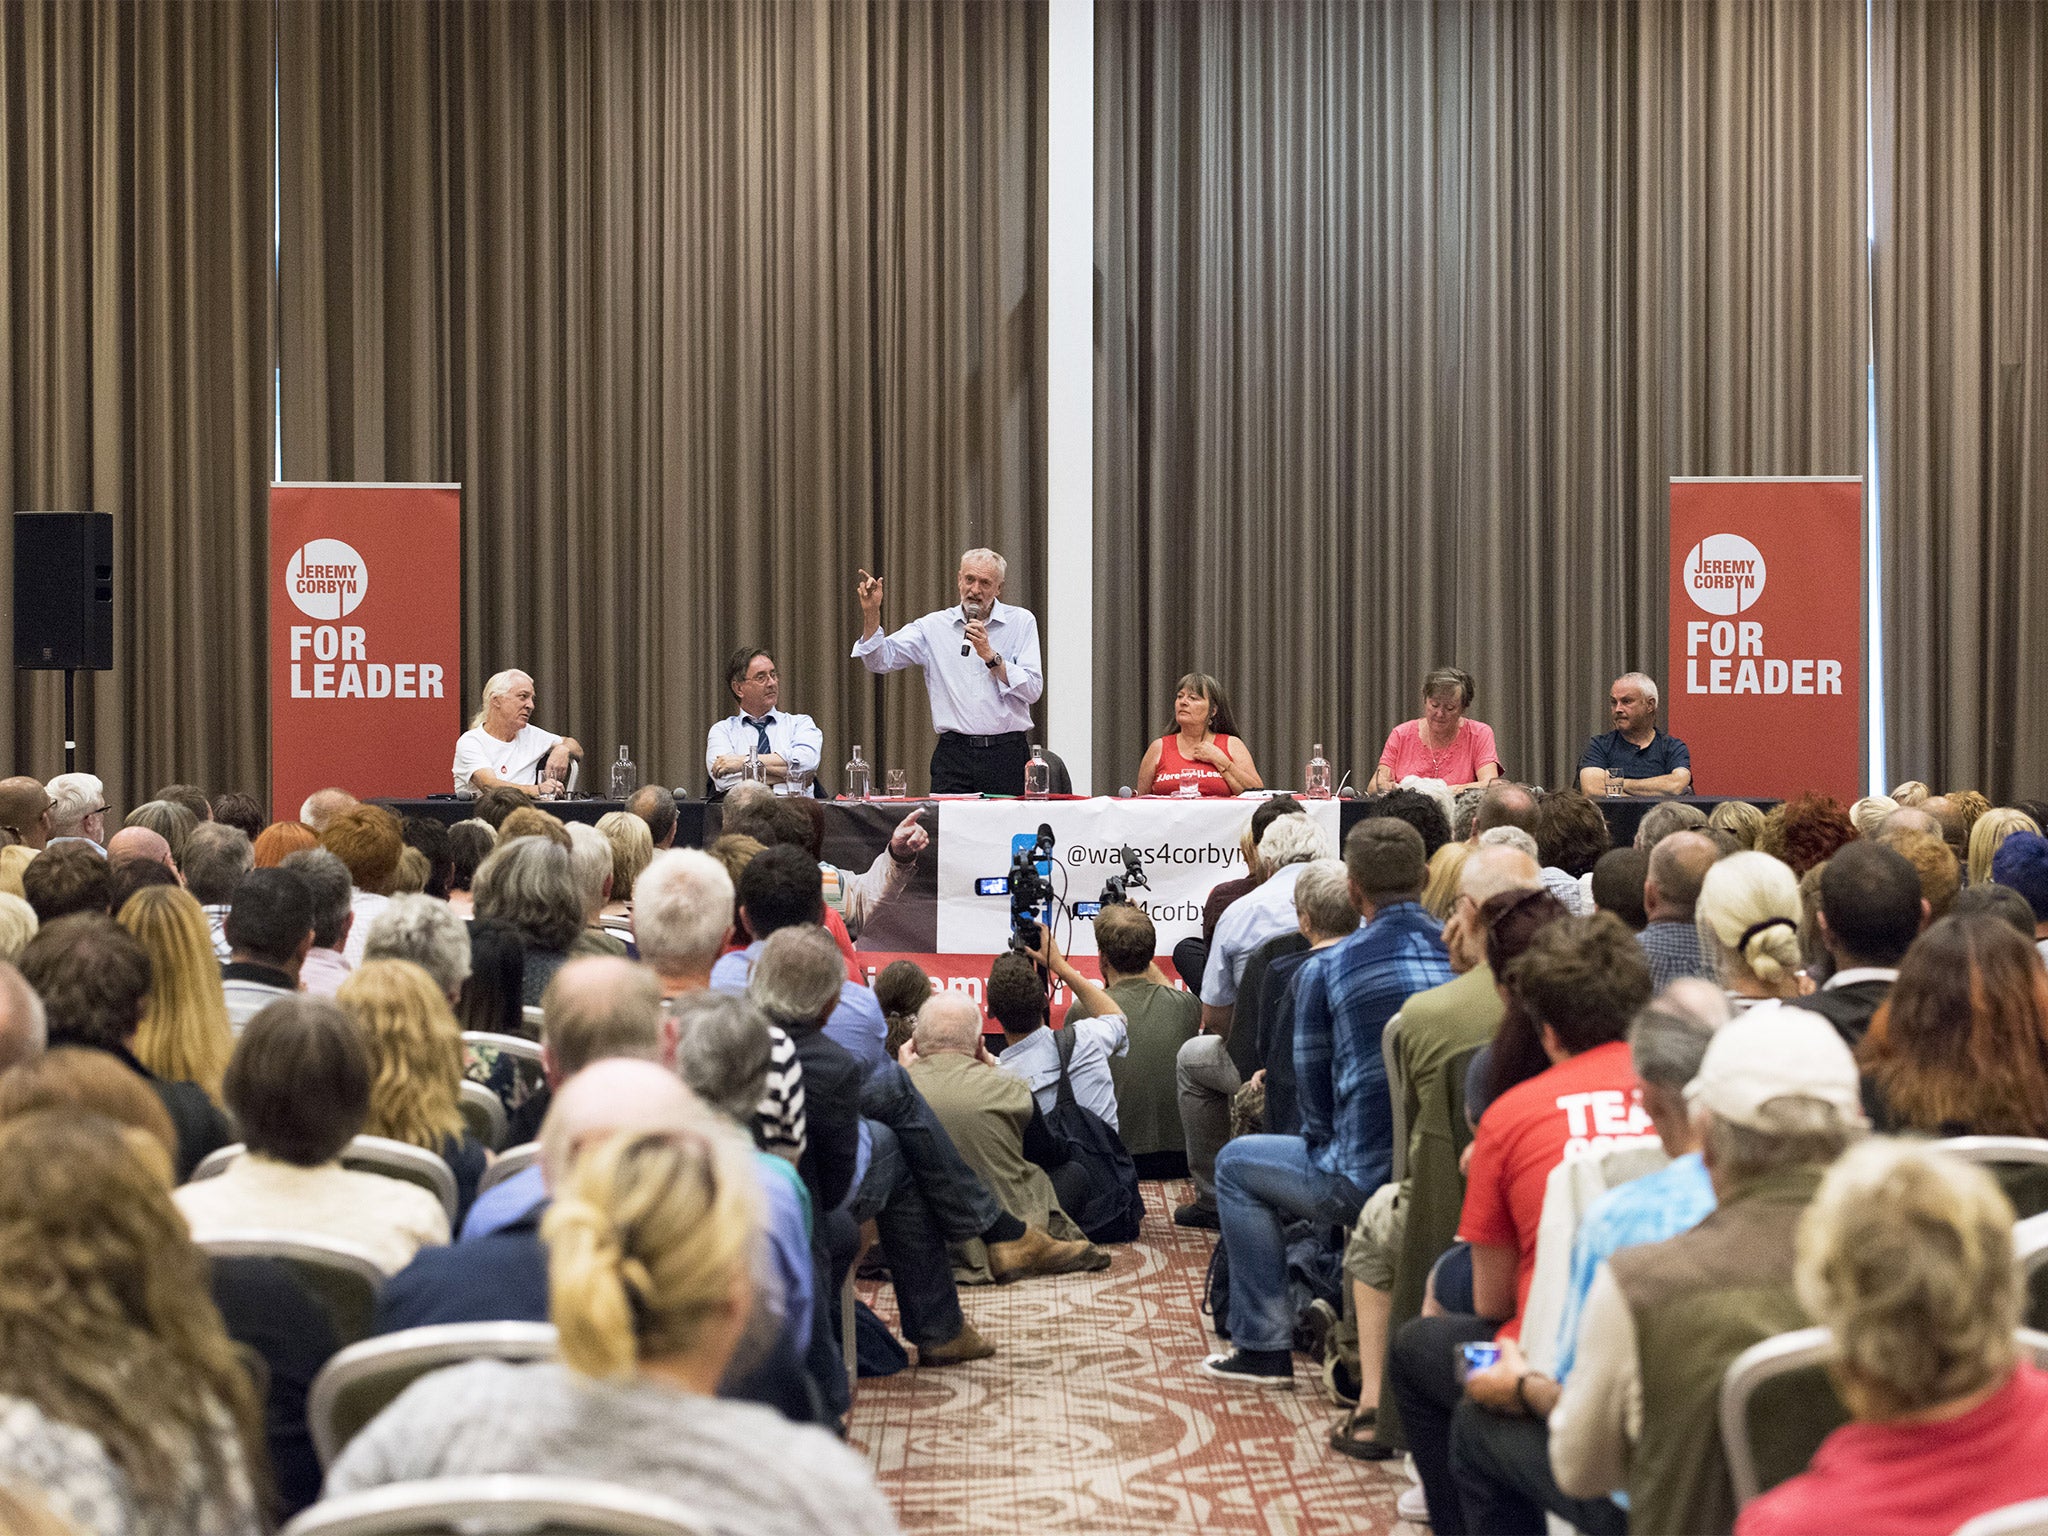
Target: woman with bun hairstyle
(1748, 918)
(650, 1278)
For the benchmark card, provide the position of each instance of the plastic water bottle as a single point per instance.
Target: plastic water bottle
(624, 779)
(1315, 779)
(859, 780)
(1037, 775)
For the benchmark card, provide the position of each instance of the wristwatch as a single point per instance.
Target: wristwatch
(994, 662)
(1522, 1396)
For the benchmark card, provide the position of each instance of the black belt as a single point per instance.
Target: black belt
(984, 741)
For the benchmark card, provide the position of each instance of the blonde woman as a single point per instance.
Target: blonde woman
(1740, 820)
(1748, 917)
(1869, 814)
(1987, 832)
(1440, 893)
(414, 871)
(1906, 1256)
(416, 1066)
(13, 860)
(184, 1034)
(1912, 792)
(651, 1243)
(123, 1404)
(632, 851)
(18, 925)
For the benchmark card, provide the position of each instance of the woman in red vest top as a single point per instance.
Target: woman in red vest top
(1202, 749)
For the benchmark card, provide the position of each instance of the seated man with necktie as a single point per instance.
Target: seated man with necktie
(787, 746)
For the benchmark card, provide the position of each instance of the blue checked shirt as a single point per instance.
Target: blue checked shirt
(1343, 997)
(1673, 950)
(1674, 1199)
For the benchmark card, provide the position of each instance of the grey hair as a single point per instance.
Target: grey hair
(327, 882)
(1643, 683)
(500, 682)
(948, 1021)
(723, 1051)
(1665, 818)
(797, 976)
(1322, 896)
(425, 931)
(1511, 837)
(527, 883)
(1466, 813)
(1669, 1039)
(590, 861)
(682, 910)
(1293, 840)
(988, 557)
(216, 857)
(73, 797)
(1797, 1133)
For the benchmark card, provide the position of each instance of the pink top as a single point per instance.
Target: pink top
(1175, 770)
(1472, 749)
(1917, 1479)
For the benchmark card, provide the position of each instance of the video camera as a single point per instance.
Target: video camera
(1117, 887)
(1031, 893)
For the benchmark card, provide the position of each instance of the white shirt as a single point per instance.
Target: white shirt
(967, 697)
(795, 739)
(1036, 1060)
(517, 761)
(368, 907)
(389, 1217)
(1264, 912)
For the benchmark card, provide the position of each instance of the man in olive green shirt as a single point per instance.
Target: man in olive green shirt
(1159, 1018)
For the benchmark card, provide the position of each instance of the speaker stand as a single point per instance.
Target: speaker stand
(70, 723)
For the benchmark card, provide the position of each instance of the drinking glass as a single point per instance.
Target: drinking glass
(897, 784)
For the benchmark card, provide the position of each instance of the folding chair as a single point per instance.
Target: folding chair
(342, 1277)
(361, 1381)
(502, 1505)
(483, 1112)
(508, 1162)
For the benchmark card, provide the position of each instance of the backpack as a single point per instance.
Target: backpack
(1114, 1207)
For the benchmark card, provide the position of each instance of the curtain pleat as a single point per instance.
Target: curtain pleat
(1960, 153)
(135, 368)
(1409, 312)
(706, 307)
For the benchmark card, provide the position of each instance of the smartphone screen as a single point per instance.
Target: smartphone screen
(1477, 1357)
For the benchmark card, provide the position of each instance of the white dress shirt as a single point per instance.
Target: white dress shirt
(517, 761)
(795, 739)
(967, 696)
(1264, 912)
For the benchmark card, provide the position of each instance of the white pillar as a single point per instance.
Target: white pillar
(1070, 389)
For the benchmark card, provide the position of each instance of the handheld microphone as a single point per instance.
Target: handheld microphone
(974, 615)
(965, 647)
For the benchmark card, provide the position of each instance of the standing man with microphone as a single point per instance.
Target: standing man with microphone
(981, 669)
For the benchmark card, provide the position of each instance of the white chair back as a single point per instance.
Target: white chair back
(369, 1154)
(484, 1113)
(359, 1382)
(1996, 1149)
(503, 1505)
(1582, 1178)
(508, 1162)
(2027, 1519)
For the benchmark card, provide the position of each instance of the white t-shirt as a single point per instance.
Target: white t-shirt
(517, 761)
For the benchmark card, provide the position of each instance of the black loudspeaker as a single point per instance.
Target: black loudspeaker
(64, 591)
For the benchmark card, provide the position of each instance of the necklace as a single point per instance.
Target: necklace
(1439, 758)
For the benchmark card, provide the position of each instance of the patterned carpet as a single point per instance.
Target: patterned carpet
(1092, 1417)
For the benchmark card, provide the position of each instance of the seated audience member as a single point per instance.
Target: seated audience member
(78, 811)
(14, 858)
(1422, 810)
(1960, 1046)
(1671, 890)
(469, 844)
(1619, 879)
(1504, 804)
(1953, 813)
(299, 1088)
(1440, 891)
(1806, 832)
(184, 1034)
(421, 929)
(657, 807)
(1635, 758)
(1869, 815)
(24, 1026)
(1571, 834)
(590, 861)
(1912, 792)
(416, 1066)
(851, 898)
(1661, 821)
(632, 851)
(18, 924)
(734, 853)
(25, 811)
(1740, 820)
(490, 997)
(132, 868)
(1906, 1256)
(1993, 900)
(1158, 1020)
(1775, 1101)
(1191, 955)
(327, 964)
(494, 805)
(1500, 1457)
(1440, 744)
(1322, 906)
(650, 1251)
(527, 883)
(1343, 999)
(370, 841)
(123, 1402)
(1031, 1053)
(216, 858)
(2021, 864)
(1869, 913)
(1748, 918)
(902, 988)
(242, 812)
(66, 879)
(1988, 833)
(994, 1121)
(1202, 753)
(270, 932)
(323, 805)
(191, 797)
(1581, 981)
(281, 839)
(413, 873)
(169, 820)
(429, 836)
(94, 980)
(780, 890)
(1941, 876)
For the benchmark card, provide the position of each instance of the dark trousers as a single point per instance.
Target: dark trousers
(1505, 1487)
(960, 767)
(1423, 1368)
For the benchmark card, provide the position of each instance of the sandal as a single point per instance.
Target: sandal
(1353, 1437)
(1340, 1377)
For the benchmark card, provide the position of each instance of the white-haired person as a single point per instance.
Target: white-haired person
(651, 1263)
(78, 810)
(981, 667)
(1906, 1256)
(503, 749)
(1748, 918)
(1635, 758)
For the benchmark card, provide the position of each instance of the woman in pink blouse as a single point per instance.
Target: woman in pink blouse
(1202, 751)
(1443, 744)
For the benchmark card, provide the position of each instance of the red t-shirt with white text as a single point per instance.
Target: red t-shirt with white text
(1588, 1100)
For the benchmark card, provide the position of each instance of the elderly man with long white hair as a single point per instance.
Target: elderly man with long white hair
(503, 748)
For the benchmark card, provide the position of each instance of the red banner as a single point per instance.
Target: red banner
(365, 639)
(1766, 656)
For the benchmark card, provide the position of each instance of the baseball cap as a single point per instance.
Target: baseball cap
(1775, 1051)
(2021, 862)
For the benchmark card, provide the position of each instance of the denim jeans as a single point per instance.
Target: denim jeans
(1260, 1182)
